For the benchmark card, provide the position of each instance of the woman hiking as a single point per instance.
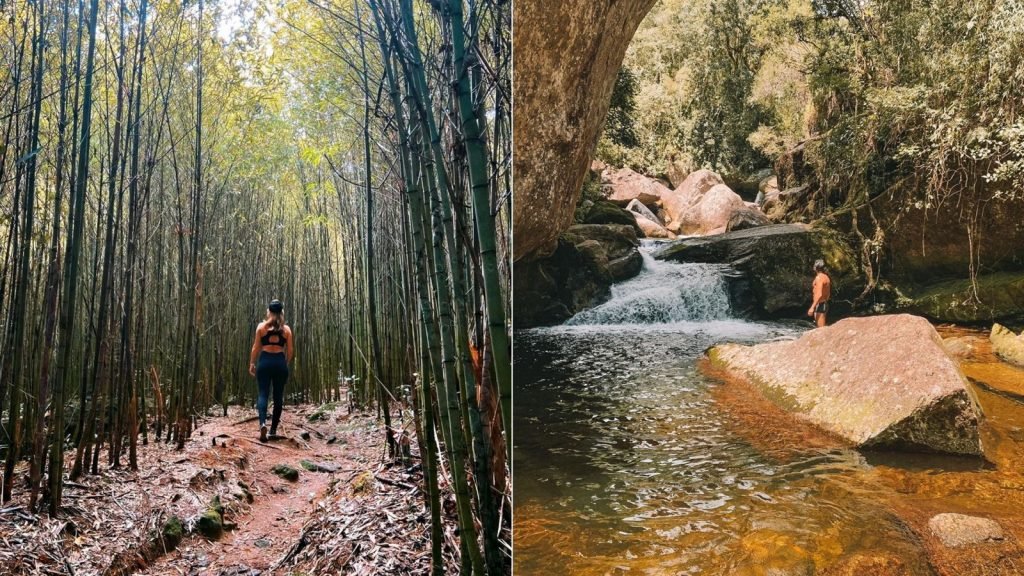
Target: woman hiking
(272, 352)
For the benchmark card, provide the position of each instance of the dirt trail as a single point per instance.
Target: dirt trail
(267, 527)
(112, 521)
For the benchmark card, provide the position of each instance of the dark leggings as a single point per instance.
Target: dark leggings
(271, 369)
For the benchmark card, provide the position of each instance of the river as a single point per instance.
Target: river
(630, 459)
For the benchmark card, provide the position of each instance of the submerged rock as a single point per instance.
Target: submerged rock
(1007, 345)
(956, 530)
(960, 347)
(862, 564)
(877, 382)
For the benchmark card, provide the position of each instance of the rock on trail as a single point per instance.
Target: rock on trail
(878, 382)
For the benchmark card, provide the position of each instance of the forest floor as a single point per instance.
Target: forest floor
(349, 511)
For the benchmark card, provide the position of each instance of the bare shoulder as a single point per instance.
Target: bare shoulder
(261, 326)
(287, 329)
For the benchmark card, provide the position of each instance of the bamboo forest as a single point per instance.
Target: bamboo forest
(170, 167)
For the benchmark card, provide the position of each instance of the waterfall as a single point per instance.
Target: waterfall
(663, 293)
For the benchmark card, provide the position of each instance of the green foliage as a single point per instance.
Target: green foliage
(618, 126)
(693, 100)
(590, 193)
(923, 100)
(720, 106)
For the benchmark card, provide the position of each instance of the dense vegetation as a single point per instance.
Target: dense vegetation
(167, 167)
(925, 96)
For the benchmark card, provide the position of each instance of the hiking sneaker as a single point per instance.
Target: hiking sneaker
(263, 433)
(273, 432)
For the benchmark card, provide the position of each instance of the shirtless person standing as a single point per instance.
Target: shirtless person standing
(822, 292)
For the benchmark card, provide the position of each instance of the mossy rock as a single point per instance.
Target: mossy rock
(1000, 297)
(605, 212)
(319, 466)
(211, 523)
(287, 472)
(322, 412)
(362, 483)
(173, 532)
(771, 266)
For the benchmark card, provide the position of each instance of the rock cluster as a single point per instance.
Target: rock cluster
(701, 204)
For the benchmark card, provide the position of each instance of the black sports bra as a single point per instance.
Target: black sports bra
(273, 338)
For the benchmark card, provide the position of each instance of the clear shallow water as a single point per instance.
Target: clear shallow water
(629, 459)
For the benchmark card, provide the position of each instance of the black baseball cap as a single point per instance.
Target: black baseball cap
(275, 306)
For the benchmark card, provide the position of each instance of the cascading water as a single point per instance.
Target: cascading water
(663, 293)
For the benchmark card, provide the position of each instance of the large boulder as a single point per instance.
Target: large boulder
(998, 296)
(577, 275)
(639, 209)
(650, 225)
(651, 229)
(747, 185)
(877, 382)
(603, 212)
(746, 218)
(677, 171)
(711, 213)
(624, 185)
(931, 245)
(1007, 345)
(687, 195)
(648, 222)
(573, 50)
(618, 247)
(773, 266)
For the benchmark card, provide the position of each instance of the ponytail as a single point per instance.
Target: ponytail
(275, 320)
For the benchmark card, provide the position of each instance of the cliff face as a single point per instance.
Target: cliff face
(567, 54)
